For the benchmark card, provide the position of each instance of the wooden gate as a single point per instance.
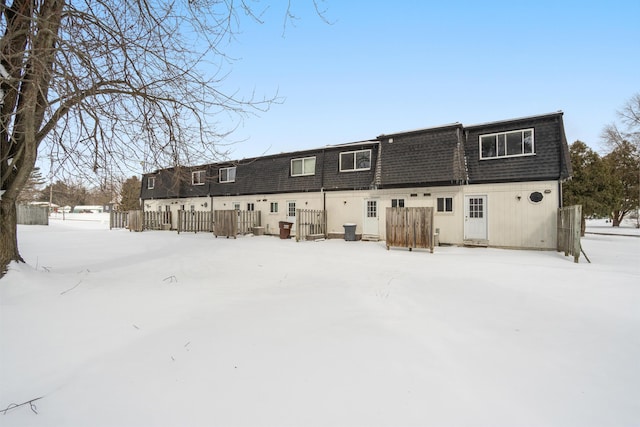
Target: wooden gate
(310, 224)
(136, 220)
(569, 221)
(410, 228)
(195, 221)
(225, 223)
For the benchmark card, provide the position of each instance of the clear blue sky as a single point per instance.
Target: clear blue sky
(387, 66)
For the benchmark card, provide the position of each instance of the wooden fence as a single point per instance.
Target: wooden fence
(247, 220)
(135, 220)
(118, 219)
(155, 220)
(310, 224)
(32, 215)
(569, 221)
(139, 220)
(195, 221)
(410, 228)
(225, 223)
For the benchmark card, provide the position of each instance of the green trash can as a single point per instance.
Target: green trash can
(349, 232)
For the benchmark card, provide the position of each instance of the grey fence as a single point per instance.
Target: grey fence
(569, 222)
(32, 215)
(247, 220)
(194, 221)
(118, 219)
(310, 224)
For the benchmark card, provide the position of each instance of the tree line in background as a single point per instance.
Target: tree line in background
(122, 195)
(608, 186)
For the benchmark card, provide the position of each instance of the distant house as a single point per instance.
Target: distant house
(492, 184)
(89, 209)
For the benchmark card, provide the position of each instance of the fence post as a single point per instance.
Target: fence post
(577, 219)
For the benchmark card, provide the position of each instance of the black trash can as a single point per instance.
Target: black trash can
(349, 232)
(285, 229)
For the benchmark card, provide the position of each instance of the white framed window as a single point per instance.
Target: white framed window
(507, 144)
(197, 177)
(303, 166)
(274, 207)
(351, 161)
(228, 174)
(291, 209)
(444, 204)
(251, 206)
(236, 206)
(151, 182)
(397, 203)
(372, 208)
(192, 208)
(181, 207)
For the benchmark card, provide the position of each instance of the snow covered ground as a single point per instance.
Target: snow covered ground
(113, 328)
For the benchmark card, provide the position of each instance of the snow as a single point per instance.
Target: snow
(116, 328)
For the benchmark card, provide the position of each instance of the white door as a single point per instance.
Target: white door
(291, 212)
(371, 215)
(475, 217)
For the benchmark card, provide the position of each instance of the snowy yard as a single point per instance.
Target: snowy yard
(113, 328)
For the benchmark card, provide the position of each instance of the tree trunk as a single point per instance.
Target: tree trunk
(8, 234)
(616, 218)
(583, 225)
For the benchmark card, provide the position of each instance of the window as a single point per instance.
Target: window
(291, 209)
(355, 160)
(372, 209)
(304, 166)
(274, 207)
(397, 203)
(197, 178)
(228, 174)
(507, 144)
(181, 207)
(445, 204)
(151, 182)
(236, 206)
(251, 206)
(536, 197)
(476, 207)
(192, 208)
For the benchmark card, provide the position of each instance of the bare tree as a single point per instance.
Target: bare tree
(112, 84)
(624, 159)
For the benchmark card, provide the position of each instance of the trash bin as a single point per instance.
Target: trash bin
(349, 232)
(285, 229)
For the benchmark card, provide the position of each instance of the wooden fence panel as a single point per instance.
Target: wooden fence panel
(32, 215)
(195, 221)
(247, 220)
(310, 223)
(225, 223)
(118, 219)
(410, 228)
(155, 220)
(569, 221)
(135, 220)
